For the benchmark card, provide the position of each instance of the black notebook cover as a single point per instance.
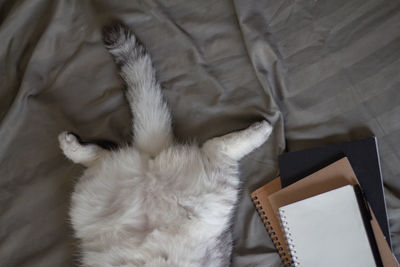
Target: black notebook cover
(364, 159)
(366, 215)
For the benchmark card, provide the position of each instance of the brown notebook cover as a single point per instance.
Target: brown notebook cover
(271, 223)
(331, 177)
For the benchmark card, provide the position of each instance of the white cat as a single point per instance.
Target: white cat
(155, 203)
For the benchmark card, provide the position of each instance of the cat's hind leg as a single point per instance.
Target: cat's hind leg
(152, 120)
(85, 154)
(238, 144)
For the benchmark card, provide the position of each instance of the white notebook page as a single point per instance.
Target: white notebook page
(327, 230)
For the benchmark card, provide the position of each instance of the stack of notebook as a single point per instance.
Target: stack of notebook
(327, 208)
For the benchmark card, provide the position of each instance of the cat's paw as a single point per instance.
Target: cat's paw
(263, 126)
(122, 43)
(262, 129)
(68, 142)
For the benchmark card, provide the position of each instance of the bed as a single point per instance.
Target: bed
(320, 71)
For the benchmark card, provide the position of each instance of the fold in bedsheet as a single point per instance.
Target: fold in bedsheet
(319, 71)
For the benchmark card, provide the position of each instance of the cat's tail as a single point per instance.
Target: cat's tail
(122, 43)
(152, 125)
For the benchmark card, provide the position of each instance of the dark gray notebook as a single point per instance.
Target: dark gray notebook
(364, 159)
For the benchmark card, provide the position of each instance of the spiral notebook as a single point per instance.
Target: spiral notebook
(328, 230)
(364, 158)
(270, 221)
(270, 197)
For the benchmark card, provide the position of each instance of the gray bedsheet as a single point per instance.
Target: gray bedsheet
(320, 71)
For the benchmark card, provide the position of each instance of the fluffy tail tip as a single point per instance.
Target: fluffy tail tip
(116, 34)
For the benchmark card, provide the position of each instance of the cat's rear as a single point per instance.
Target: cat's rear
(155, 203)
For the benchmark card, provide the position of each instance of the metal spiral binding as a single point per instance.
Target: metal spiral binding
(288, 236)
(286, 258)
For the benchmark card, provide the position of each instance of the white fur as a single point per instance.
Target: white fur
(156, 203)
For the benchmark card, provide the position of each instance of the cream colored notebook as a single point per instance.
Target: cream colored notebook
(327, 230)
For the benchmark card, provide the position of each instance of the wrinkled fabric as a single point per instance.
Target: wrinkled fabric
(320, 71)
